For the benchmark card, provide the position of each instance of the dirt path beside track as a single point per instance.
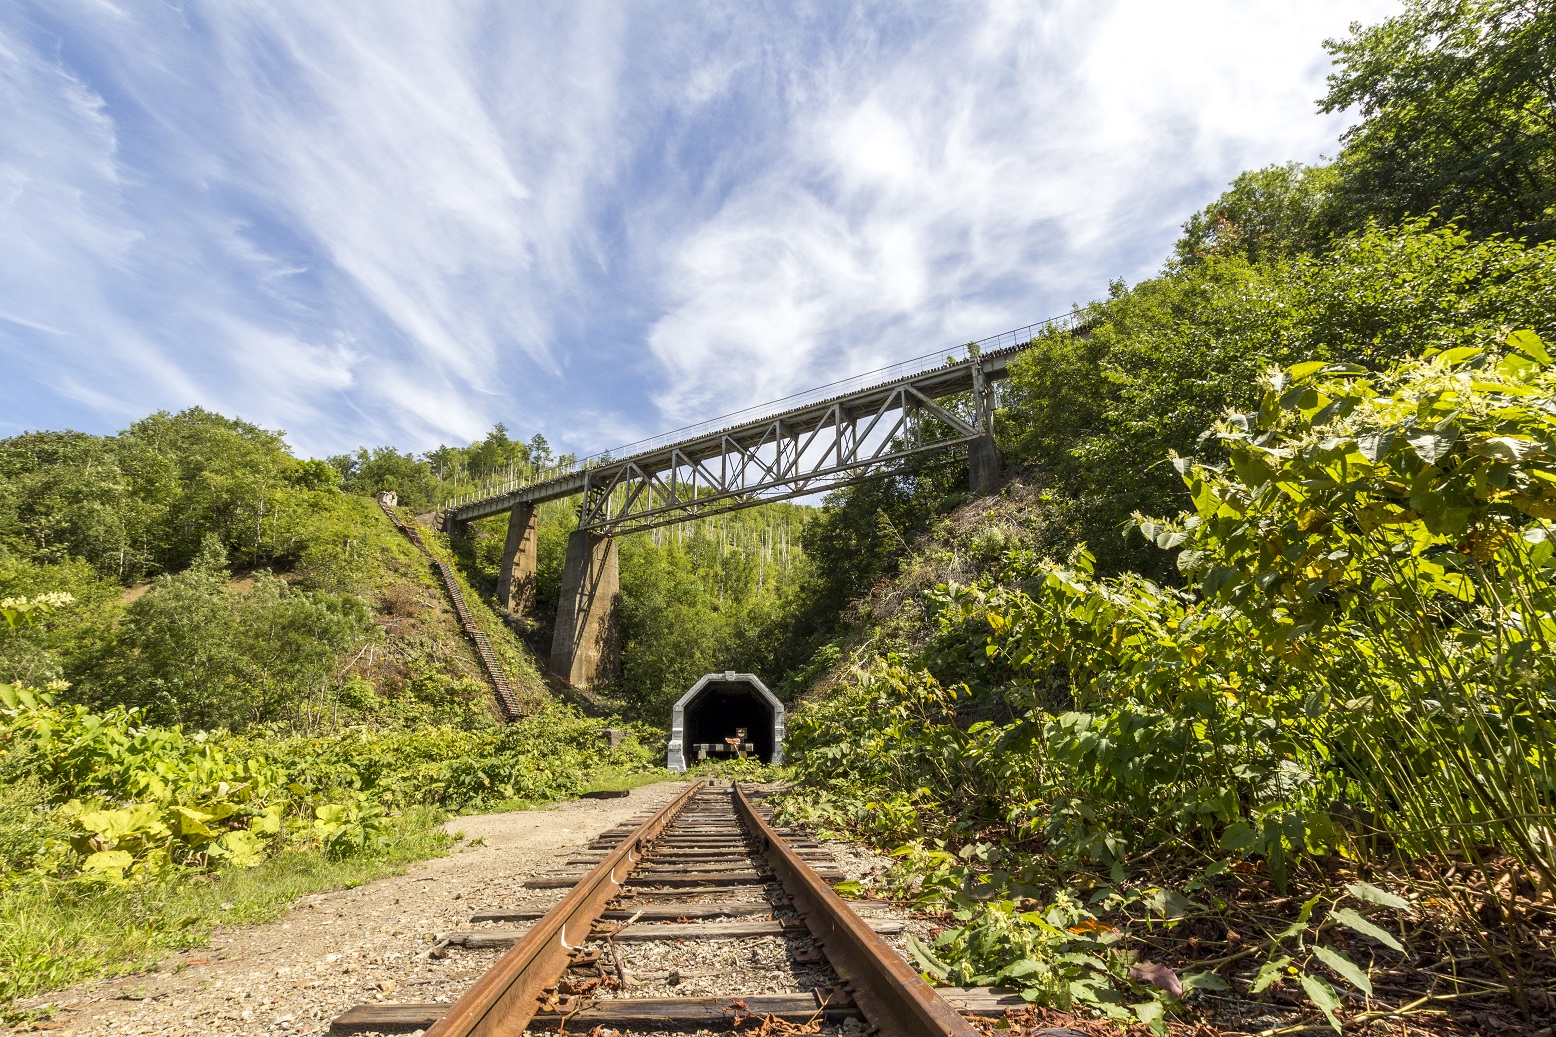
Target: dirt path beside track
(341, 948)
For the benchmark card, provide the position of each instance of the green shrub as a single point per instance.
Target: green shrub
(1360, 664)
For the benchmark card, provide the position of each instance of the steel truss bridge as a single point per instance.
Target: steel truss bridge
(853, 433)
(836, 435)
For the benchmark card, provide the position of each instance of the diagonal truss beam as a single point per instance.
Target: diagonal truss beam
(858, 435)
(778, 457)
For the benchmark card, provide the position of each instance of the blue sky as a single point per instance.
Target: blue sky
(400, 222)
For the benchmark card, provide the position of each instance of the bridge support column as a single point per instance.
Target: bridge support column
(516, 572)
(586, 648)
(983, 464)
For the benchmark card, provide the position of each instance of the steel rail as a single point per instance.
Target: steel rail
(894, 999)
(504, 1000)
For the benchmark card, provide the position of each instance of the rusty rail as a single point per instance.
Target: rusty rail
(875, 982)
(504, 1000)
(893, 997)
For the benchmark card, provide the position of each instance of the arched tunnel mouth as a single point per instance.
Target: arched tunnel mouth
(719, 711)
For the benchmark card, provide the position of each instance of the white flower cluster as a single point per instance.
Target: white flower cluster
(13, 610)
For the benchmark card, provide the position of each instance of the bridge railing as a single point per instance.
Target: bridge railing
(1016, 337)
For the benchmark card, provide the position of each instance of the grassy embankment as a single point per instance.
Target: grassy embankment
(123, 839)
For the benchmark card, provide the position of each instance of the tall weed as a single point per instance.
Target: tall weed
(1359, 666)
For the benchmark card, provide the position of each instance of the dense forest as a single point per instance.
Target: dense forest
(1233, 706)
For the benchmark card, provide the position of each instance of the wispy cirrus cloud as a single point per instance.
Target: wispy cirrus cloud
(401, 222)
(987, 174)
(288, 205)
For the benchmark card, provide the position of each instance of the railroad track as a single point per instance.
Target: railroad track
(708, 873)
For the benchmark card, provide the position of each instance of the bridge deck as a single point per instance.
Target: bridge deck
(806, 447)
(861, 404)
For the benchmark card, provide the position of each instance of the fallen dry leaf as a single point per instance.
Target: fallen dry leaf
(1159, 976)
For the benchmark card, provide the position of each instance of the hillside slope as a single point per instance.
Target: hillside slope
(1341, 710)
(258, 592)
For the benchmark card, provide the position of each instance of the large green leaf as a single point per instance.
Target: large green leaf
(1373, 895)
(108, 864)
(1351, 920)
(1432, 445)
(1528, 343)
(1238, 837)
(1154, 1015)
(1352, 972)
(1272, 972)
(1322, 994)
(1204, 981)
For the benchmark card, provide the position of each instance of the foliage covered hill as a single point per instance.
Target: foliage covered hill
(221, 582)
(1164, 360)
(1281, 756)
(255, 688)
(279, 593)
(1356, 681)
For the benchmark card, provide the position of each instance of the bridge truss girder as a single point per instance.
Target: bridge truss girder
(864, 434)
(800, 452)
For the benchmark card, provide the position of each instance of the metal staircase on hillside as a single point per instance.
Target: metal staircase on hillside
(483, 648)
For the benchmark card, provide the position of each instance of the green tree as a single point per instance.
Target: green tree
(1458, 106)
(175, 654)
(385, 468)
(672, 630)
(1270, 213)
(1164, 360)
(196, 650)
(141, 502)
(65, 495)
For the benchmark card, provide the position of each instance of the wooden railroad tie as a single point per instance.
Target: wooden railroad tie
(668, 1013)
(477, 938)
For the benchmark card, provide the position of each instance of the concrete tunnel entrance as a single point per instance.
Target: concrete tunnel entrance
(716, 707)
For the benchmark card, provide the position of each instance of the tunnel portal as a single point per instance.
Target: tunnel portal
(716, 707)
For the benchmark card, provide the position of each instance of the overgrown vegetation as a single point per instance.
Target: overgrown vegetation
(1281, 757)
(423, 482)
(1235, 705)
(225, 681)
(220, 582)
(1356, 675)
(109, 821)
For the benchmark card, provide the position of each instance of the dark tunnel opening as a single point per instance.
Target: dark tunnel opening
(720, 710)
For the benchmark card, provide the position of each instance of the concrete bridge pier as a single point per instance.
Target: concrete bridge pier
(586, 648)
(516, 572)
(983, 453)
(983, 465)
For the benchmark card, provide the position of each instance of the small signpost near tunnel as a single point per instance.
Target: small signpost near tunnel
(726, 716)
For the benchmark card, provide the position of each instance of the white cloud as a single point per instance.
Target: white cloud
(401, 221)
(983, 178)
(387, 201)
